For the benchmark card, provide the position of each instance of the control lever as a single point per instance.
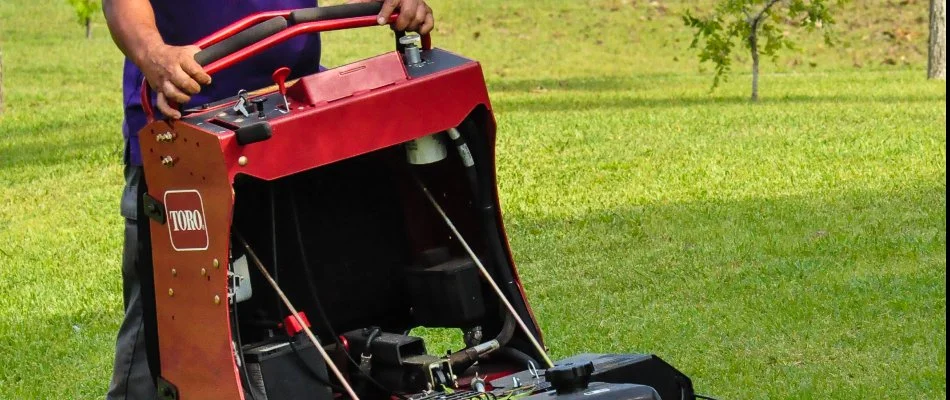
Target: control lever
(242, 103)
(280, 77)
(259, 106)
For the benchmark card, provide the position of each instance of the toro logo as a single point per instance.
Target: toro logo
(186, 220)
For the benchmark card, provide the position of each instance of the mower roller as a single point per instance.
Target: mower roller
(301, 232)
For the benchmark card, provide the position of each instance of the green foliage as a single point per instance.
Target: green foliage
(742, 21)
(85, 9)
(794, 250)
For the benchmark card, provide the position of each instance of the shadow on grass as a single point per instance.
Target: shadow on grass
(861, 256)
(55, 152)
(582, 83)
(548, 103)
(751, 289)
(541, 95)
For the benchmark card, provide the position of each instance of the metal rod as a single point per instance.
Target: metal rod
(484, 271)
(293, 311)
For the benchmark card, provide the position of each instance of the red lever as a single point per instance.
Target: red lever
(280, 76)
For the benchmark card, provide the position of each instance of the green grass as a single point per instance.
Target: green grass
(790, 249)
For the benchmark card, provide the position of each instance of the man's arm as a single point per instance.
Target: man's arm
(170, 70)
(414, 15)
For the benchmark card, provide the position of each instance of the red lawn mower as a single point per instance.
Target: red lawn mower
(299, 235)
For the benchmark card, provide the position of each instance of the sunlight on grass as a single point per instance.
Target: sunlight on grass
(789, 249)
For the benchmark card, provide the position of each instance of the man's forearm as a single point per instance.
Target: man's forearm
(132, 25)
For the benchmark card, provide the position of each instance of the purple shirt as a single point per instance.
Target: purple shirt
(184, 22)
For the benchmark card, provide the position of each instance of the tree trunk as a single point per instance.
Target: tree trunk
(937, 56)
(88, 28)
(1, 81)
(754, 48)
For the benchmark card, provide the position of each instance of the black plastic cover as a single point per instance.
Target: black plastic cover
(282, 370)
(446, 295)
(643, 369)
(603, 391)
(387, 348)
(256, 132)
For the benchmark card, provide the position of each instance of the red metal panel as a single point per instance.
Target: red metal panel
(351, 79)
(191, 282)
(361, 123)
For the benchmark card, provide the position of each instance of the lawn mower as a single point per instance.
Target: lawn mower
(301, 233)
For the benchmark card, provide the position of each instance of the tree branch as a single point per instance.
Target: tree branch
(758, 17)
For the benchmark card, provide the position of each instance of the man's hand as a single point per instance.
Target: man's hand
(173, 72)
(414, 15)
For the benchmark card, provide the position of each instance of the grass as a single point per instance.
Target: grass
(790, 249)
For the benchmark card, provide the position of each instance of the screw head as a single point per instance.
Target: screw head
(242, 160)
(174, 272)
(171, 292)
(216, 263)
(217, 299)
(204, 272)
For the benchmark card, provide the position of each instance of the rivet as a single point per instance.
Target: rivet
(217, 299)
(174, 272)
(216, 263)
(242, 160)
(204, 272)
(171, 292)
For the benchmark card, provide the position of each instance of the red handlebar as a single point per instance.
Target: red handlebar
(268, 42)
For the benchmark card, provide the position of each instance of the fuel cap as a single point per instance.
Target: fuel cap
(569, 377)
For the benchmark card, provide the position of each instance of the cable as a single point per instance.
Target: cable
(293, 311)
(240, 350)
(273, 237)
(699, 396)
(367, 349)
(485, 274)
(319, 305)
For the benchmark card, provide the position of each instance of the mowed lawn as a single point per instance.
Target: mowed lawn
(794, 248)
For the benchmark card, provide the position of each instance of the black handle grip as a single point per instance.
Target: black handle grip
(335, 12)
(240, 40)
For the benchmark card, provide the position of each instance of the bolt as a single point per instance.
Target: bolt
(217, 299)
(168, 161)
(216, 263)
(174, 272)
(171, 292)
(204, 272)
(242, 160)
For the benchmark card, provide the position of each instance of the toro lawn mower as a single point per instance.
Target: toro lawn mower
(300, 233)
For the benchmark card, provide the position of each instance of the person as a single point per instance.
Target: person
(156, 36)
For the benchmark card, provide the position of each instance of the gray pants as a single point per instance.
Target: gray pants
(132, 378)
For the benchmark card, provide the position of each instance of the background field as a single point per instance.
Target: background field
(790, 249)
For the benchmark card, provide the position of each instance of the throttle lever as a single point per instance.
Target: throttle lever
(280, 78)
(241, 105)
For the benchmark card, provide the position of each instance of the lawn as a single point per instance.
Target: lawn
(794, 248)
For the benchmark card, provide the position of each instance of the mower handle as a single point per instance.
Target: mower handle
(258, 32)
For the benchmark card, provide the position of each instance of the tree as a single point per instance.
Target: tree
(85, 9)
(749, 22)
(1, 81)
(937, 56)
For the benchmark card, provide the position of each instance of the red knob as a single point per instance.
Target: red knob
(280, 77)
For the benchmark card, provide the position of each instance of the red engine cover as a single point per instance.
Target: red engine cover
(190, 166)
